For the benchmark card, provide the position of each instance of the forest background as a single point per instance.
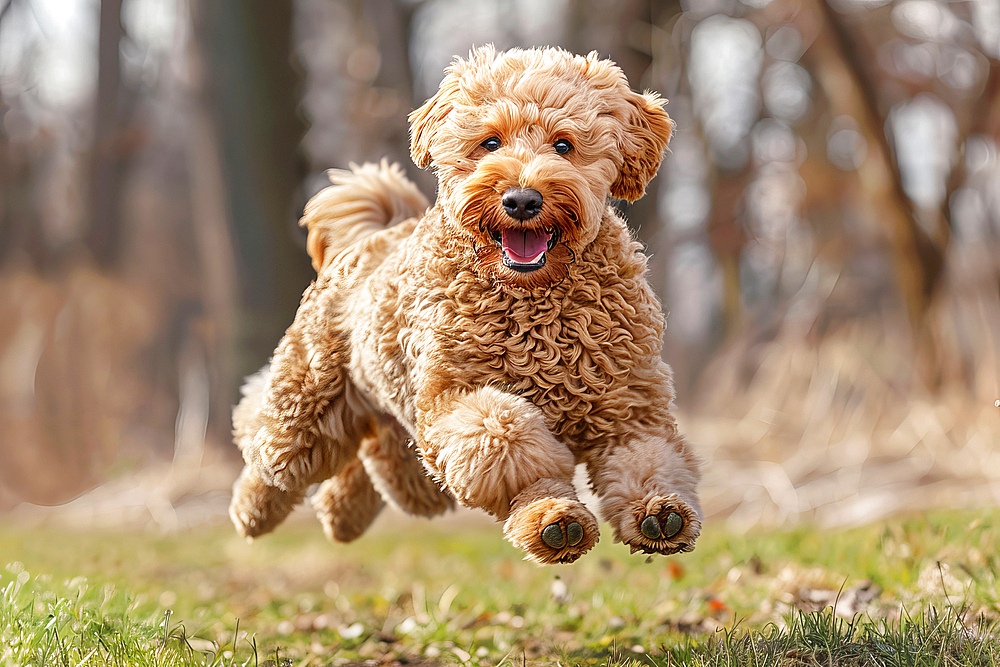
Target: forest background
(824, 232)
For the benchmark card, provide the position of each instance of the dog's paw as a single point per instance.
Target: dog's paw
(552, 530)
(347, 503)
(257, 508)
(660, 525)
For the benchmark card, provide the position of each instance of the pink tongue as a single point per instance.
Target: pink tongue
(524, 245)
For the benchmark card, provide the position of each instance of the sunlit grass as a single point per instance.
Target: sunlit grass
(821, 638)
(75, 623)
(454, 592)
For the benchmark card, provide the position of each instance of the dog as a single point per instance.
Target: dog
(478, 349)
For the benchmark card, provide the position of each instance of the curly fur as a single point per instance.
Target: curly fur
(505, 375)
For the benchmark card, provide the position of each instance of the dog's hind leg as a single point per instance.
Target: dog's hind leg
(258, 507)
(347, 503)
(300, 421)
(387, 469)
(492, 450)
(394, 467)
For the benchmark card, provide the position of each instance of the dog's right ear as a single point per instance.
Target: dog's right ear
(426, 121)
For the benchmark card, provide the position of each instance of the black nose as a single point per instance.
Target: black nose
(521, 203)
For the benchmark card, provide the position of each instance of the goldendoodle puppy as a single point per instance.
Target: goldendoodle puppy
(493, 341)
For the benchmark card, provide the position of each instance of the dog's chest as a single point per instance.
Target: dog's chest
(587, 358)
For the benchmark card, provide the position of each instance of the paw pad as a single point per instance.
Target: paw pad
(661, 525)
(654, 530)
(554, 536)
(574, 533)
(552, 530)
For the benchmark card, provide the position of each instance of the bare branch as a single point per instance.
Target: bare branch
(847, 84)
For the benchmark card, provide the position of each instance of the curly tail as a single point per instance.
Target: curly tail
(361, 201)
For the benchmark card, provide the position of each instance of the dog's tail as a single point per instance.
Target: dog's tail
(361, 201)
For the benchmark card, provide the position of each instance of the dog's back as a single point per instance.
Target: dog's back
(362, 201)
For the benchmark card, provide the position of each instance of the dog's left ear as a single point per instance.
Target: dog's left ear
(426, 121)
(647, 130)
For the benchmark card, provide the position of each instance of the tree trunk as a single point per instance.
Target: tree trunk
(254, 100)
(917, 258)
(103, 237)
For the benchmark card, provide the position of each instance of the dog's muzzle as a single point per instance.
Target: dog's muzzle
(524, 249)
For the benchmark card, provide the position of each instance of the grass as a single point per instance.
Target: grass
(921, 590)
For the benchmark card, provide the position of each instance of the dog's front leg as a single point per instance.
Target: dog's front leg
(647, 487)
(492, 450)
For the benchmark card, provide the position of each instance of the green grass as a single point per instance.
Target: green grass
(452, 592)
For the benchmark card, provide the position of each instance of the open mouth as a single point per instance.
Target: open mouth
(524, 249)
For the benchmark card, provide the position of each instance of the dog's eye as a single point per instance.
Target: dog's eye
(562, 146)
(491, 144)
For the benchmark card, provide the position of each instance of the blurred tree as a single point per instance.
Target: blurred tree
(253, 83)
(841, 63)
(389, 22)
(104, 237)
(21, 233)
(624, 31)
(6, 235)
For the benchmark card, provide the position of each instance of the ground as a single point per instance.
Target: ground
(452, 590)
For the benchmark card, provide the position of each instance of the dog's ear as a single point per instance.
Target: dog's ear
(426, 121)
(647, 130)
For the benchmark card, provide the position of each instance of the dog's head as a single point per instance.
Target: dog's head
(528, 146)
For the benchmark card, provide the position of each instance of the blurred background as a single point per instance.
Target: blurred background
(825, 231)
